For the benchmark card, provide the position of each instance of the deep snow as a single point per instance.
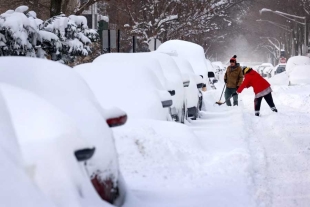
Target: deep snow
(229, 157)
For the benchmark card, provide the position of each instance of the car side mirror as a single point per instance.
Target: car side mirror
(199, 85)
(211, 75)
(172, 93)
(215, 81)
(166, 103)
(84, 154)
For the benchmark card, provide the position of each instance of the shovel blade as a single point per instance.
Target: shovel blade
(219, 103)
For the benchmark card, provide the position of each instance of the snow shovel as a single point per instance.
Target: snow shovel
(220, 102)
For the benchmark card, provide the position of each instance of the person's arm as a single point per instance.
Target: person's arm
(240, 78)
(245, 84)
(225, 77)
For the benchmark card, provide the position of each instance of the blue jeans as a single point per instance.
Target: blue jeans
(228, 93)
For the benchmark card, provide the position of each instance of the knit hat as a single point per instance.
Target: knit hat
(246, 69)
(233, 59)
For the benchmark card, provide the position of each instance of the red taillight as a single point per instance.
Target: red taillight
(118, 121)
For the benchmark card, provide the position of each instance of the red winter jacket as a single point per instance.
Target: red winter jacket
(255, 80)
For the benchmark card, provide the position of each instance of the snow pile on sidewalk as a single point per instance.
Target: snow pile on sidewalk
(169, 164)
(279, 79)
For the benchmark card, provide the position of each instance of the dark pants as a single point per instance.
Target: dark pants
(228, 93)
(269, 100)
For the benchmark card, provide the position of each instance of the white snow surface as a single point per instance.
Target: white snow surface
(279, 79)
(228, 157)
(48, 140)
(16, 187)
(79, 20)
(131, 87)
(300, 75)
(137, 58)
(296, 60)
(65, 89)
(188, 74)
(190, 51)
(48, 36)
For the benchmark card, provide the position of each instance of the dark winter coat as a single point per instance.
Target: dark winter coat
(233, 77)
(255, 80)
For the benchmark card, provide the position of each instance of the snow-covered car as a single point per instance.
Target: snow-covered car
(300, 75)
(192, 52)
(281, 79)
(166, 71)
(174, 77)
(16, 188)
(52, 149)
(279, 68)
(262, 67)
(213, 76)
(219, 66)
(139, 93)
(66, 90)
(267, 72)
(296, 60)
(193, 86)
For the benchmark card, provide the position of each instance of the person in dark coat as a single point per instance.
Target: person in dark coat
(261, 89)
(233, 79)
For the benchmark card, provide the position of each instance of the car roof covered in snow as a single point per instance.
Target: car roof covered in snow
(48, 139)
(192, 52)
(65, 89)
(137, 58)
(296, 60)
(134, 88)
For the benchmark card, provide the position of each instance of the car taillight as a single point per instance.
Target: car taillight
(117, 121)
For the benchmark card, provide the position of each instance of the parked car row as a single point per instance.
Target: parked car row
(295, 72)
(168, 77)
(57, 121)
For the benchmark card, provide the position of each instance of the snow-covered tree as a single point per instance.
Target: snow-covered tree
(172, 19)
(74, 37)
(62, 38)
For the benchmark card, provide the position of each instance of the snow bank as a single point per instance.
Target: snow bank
(150, 151)
(300, 75)
(131, 87)
(279, 79)
(297, 60)
(190, 51)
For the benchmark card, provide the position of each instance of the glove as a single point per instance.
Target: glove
(234, 94)
(225, 80)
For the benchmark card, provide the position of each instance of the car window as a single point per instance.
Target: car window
(280, 69)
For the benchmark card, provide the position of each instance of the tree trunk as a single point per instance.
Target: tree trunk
(55, 7)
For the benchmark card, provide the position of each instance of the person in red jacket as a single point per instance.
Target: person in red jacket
(261, 89)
